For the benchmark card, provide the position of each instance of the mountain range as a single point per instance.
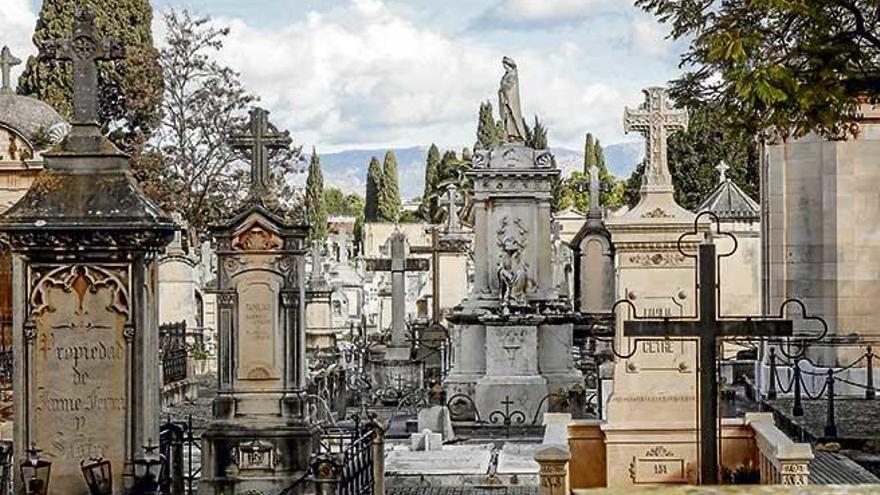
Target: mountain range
(347, 170)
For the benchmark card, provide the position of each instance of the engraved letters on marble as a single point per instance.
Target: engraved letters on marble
(78, 362)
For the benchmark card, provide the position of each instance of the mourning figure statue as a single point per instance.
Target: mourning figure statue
(509, 105)
(512, 273)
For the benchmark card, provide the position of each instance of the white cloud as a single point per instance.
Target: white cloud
(17, 21)
(526, 14)
(648, 37)
(363, 76)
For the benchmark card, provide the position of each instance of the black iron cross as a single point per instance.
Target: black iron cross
(708, 329)
(84, 49)
(258, 143)
(7, 62)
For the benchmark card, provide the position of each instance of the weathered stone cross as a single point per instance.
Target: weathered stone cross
(398, 265)
(709, 330)
(84, 49)
(263, 137)
(7, 62)
(654, 119)
(453, 221)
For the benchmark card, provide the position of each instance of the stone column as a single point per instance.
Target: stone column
(399, 348)
(553, 470)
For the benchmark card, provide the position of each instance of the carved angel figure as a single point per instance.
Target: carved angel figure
(512, 272)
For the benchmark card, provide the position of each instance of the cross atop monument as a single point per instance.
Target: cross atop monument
(722, 169)
(453, 221)
(7, 62)
(655, 120)
(595, 191)
(85, 48)
(257, 144)
(709, 329)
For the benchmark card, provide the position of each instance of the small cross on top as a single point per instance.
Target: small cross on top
(655, 120)
(85, 48)
(7, 62)
(722, 169)
(262, 137)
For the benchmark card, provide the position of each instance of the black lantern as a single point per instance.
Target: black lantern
(98, 475)
(35, 473)
(145, 473)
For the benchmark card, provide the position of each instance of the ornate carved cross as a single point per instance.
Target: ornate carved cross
(262, 137)
(709, 329)
(654, 119)
(85, 48)
(7, 62)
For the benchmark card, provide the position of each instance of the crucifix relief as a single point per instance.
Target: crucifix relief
(257, 144)
(7, 62)
(709, 330)
(84, 49)
(655, 120)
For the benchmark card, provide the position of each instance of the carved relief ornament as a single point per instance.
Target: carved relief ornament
(78, 279)
(257, 238)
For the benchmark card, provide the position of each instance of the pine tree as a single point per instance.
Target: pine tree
(589, 153)
(374, 185)
(315, 206)
(487, 130)
(428, 208)
(129, 90)
(389, 193)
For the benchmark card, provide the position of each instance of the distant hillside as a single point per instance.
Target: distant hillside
(347, 169)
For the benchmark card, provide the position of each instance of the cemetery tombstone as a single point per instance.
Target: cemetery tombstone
(513, 331)
(261, 400)
(85, 241)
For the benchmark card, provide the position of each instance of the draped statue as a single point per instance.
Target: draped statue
(508, 103)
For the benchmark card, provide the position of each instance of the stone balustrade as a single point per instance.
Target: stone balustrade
(781, 461)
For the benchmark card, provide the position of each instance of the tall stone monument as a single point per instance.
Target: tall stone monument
(652, 411)
(259, 440)
(513, 332)
(320, 333)
(85, 241)
(594, 258)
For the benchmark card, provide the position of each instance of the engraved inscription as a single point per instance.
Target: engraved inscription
(79, 362)
(258, 322)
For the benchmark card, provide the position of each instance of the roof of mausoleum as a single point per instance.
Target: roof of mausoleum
(32, 118)
(730, 202)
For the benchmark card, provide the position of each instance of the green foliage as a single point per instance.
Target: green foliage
(409, 216)
(783, 67)
(374, 185)
(633, 186)
(389, 192)
(590, 158)
(429, 209)
(575, 189)
(489, 132)
(316, 210)
(129, 91)
(536, 137)
(358, 233)
(340, 204)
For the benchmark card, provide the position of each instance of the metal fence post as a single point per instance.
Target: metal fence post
(830, 423)
(328, 474)
(798, 409)
(378, 459)
(869, 390)
(771, 390)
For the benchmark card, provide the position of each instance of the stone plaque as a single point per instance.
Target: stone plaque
(258, 323)
(79, 368)
(658, 465)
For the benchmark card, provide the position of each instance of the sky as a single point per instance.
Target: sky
(353, 74)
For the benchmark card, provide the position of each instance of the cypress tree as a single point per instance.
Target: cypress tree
(129, 90)
(487, 131)
(389, 193)
(600, 157)
(539, 135)
(316, 208)
(448, 165)
(374, 185)
(589, 153)
(432, 179)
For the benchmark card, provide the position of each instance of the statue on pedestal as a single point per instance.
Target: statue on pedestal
(508, 104)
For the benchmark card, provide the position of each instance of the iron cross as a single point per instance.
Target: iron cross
(654, 119)
(709, 329)
(7, 62)
(85, 48)
(261, 139)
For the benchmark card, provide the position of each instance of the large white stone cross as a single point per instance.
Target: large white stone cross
(722, 169)
(654, 119)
